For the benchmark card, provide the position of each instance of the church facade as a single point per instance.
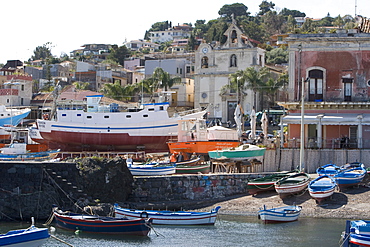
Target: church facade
(214, 63)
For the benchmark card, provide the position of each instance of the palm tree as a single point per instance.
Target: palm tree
(114, 91)
(254, 79)
(162, 79)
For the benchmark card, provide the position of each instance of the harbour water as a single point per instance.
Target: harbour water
(229, 230)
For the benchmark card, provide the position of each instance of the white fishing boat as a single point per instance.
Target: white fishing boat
(169, 217)
(322, 187)
(281, 214)
(18, 152)
(151, 170)
(103, 128)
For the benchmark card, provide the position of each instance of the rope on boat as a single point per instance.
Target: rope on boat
(65, 193)
(342, 241)
(60, 240)
(152, 228)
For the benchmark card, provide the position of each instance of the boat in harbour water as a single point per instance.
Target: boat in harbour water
(103, 128)
(170, 217)
(280, 214)
(357, 233)
(30, 237)
(100, 224)
(242, 152)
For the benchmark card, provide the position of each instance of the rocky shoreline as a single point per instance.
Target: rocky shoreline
(351, 203)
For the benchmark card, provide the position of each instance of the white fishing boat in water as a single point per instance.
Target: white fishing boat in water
(103, 128)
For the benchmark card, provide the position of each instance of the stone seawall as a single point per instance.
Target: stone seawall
(189, 187)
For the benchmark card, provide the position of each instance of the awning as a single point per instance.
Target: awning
(328, 119)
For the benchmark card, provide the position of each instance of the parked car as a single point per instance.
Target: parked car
(246, 134)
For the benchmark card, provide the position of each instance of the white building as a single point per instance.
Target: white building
(213, 66)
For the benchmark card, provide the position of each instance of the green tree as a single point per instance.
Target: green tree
(254, 78)
(291, 23)
(295, 13)
(119, 54)
(42, 52)
(238, 9)
(265, 7)
(254, 30)
(338, 21)
(114, 91)
(308, 26)
(273, 23)
(277, 56)
(81, 85)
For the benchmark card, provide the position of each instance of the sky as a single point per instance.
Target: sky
(70, 24)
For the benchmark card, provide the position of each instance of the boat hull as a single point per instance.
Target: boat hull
(169, 217)
(350, 177)
(238, 153)
(359, 240)
(31, 237)
(90, 224)
(149, 129)
(152, 171)
(278, 215)
(322, 188)
(200, 147)
(193, 169)
(290, 186)
(266, 183)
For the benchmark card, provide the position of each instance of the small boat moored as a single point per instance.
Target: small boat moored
(170, 217)
(322, 187)
(280, 214)
(99, 224)
(30, 237)
(357, 233)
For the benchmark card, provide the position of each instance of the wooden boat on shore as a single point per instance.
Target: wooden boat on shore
(281, 214)
(350, 174)
(99, 224)
(322, 187)
(242, 152)
(29, 237)
(293, 184)
(170, 217)
(328, 169)
(193, 169)
(265, 183)
(151, 170)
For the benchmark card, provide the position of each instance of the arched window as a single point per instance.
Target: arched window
(204, 62)
(233, 61)
(234, 37)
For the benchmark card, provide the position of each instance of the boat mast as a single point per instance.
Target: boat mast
(301, 155)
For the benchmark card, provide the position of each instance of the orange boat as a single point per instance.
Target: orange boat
(194, 137)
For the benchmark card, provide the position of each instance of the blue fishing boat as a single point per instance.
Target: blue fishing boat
(29, 237)
(103, 225)
(328, 169)
(322, 187)
(357, 233)
(281, 214)
(350, 174)
(170, 217)
(12, 117)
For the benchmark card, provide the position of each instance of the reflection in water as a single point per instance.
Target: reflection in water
(229, 230)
